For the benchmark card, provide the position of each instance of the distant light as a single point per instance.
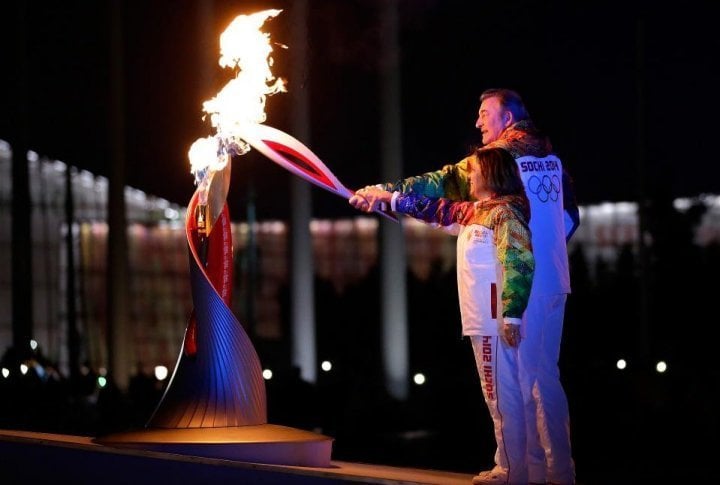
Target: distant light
(171, 213)
(23, 369)
(5, 372)
(86, 178)
(40, 371)
(661, 366)
(419, 379)
(326, 365)
(606, 208)
(267, 374)
(102, 371)
(84, 370)
(102, 381)
(59, 166)
(33, 344)
(343, 226)
(621, 364)
(161, 372)
(682, 204)
(276, 227)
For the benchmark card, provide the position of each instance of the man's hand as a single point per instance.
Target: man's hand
(370, 198)
(511, 334)
(359, 202)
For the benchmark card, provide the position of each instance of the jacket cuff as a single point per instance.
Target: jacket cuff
(395, 195)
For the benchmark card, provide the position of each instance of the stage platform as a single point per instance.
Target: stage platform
(31, 457)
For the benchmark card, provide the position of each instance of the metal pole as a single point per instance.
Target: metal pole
(304, 347)
(21, 209)
(392, 239)
(117, 278)
(643, 256)
(73, 337)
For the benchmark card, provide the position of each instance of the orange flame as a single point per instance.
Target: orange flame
(246, 49)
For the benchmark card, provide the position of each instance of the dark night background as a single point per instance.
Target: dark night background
(611, 82)
(627, 91)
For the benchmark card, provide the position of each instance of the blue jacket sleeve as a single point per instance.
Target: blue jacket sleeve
(570, 205)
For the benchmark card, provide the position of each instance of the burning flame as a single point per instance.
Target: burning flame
(246, 49)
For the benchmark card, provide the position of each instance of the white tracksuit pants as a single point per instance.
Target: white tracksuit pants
(497, 365)
(546, 406)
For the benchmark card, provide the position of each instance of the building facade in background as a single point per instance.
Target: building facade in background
(345, 254)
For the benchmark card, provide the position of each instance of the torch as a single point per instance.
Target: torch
(237, 113)
(238, 110)
(297, 158)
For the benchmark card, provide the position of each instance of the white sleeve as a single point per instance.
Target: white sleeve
(393, 201)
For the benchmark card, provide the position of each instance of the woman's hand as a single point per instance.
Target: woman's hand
(511, 334)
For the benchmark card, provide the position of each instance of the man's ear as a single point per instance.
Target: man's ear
(508, 118)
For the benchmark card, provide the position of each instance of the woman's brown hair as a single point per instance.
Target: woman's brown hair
(500, 171)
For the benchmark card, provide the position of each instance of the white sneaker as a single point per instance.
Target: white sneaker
(496, 476)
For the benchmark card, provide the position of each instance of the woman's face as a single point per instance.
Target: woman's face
(478, 188)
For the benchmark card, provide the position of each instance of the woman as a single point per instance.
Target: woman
(495, 268)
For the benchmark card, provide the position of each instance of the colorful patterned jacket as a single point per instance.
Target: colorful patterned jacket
(451, 181)
(507, 217)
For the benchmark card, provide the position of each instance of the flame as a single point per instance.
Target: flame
(244, 48)
(206, 155)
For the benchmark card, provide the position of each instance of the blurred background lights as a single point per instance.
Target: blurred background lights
(621, 364)
(171, 213)
(419, 378)
(33, 344)
(102, 371)
(661, 366)
(326, 365)
(267, 374)
(161, 372)
(23, 369)
(102, 381)
(5, 372)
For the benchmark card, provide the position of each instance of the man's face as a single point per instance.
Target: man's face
(492, 120)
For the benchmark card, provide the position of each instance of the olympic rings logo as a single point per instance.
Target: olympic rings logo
(547, 188)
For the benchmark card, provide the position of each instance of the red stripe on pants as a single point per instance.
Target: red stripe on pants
(493, 299)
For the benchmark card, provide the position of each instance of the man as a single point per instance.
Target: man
(505, 123)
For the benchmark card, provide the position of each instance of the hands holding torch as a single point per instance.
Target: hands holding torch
(371, 199)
